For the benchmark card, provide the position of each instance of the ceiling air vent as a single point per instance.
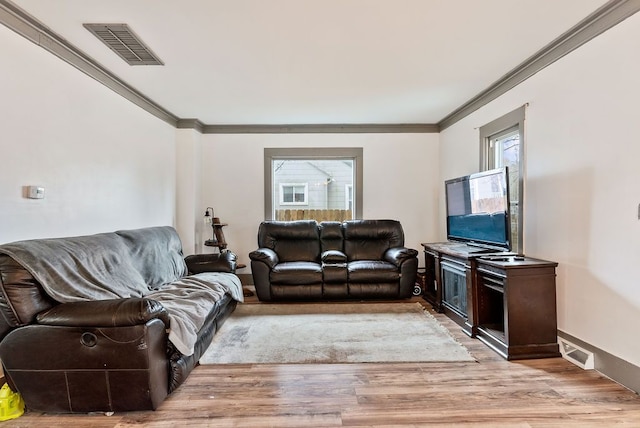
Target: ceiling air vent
(123, 41)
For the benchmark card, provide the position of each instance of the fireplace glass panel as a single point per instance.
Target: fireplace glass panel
(454, 287)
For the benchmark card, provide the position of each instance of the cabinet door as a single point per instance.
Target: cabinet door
(431, 279)
(454, 288)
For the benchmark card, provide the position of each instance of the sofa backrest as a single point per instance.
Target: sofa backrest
(21, 296)
(38, 274)
(331, 236)
(156, 252)
(291, 240)
(370, 239)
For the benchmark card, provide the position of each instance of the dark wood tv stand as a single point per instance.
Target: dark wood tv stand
(505, 300)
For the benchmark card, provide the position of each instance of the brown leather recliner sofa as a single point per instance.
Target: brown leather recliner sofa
(355, 259)
(108, 322)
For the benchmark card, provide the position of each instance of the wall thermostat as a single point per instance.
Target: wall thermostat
(35, 192)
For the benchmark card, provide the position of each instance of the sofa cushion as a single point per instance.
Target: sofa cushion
(369, 239)
(297, 273)
(21, 297)
(156, 252)
(189, 300)
(372, 271)
(291, 240)
(94, 267)
(331, 236)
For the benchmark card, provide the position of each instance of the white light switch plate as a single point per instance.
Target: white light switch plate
(35, 192)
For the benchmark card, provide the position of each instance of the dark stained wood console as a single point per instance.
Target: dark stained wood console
(505, 300)
(447, 266)
(516, 306)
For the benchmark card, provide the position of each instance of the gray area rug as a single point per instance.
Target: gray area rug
(333, 333)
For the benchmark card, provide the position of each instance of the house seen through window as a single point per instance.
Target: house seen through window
(316, 184)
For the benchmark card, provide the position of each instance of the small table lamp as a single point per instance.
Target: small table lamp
(208, 220)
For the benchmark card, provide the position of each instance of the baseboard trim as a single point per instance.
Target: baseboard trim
(615, 368)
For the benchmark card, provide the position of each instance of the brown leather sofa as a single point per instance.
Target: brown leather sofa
(64, 351)
(355, 259)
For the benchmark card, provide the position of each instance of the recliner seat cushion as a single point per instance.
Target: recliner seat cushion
(372, 271)
(297, 273)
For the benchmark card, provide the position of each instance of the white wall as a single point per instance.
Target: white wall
(582, 177)
(400, 175)
(105, 163)
(189, 190)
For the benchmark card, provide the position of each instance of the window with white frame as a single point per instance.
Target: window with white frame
(502, 144)
(294, 193)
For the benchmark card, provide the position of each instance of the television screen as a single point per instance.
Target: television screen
(478, 209)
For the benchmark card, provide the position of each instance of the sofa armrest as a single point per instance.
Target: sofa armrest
(333, 256)
(399, 255)
(64, 369)
(266, 256)
(104, 313)
(223, 262)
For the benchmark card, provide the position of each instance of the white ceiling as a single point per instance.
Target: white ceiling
(316, 61)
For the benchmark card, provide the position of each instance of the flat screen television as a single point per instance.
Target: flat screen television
(478, 209)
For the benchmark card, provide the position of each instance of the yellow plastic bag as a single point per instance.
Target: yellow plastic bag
(11, 403)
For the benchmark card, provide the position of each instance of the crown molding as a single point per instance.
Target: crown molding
(27, 26)
(370, 128)
(612, 13)
(347, 128)
(190, 124)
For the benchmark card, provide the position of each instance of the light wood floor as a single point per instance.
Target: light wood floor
(491, 392)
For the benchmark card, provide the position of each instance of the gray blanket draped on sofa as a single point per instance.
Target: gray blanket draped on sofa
(68, 271)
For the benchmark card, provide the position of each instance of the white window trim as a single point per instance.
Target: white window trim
(348, 195)
(306, 193)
